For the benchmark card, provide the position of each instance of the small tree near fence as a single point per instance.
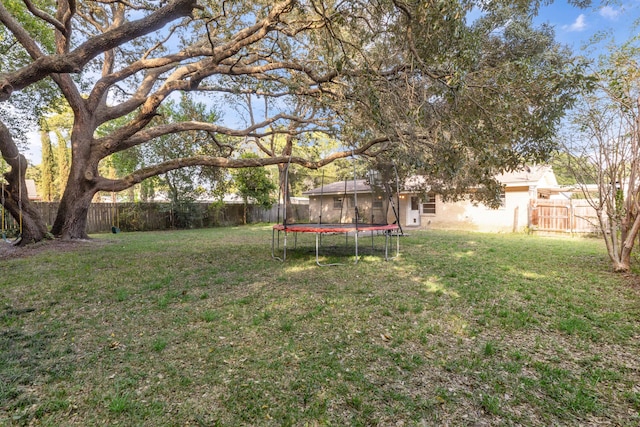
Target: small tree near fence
(605, 149)
(255, 185)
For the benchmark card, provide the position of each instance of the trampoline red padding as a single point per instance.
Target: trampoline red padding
(319, 229)
(334, 228)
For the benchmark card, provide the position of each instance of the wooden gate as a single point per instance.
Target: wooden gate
(563, 216)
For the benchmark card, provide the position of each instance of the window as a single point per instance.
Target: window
(429, 204)
(377, 203)
(349, 202)
(414, 204)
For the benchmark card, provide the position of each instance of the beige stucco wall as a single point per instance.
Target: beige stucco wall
(463, 215)
(347, 214)
(459, 215)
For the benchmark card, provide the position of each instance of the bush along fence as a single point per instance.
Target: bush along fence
(103, 217)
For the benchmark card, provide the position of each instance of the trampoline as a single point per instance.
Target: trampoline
(353, 228)
(387, 230)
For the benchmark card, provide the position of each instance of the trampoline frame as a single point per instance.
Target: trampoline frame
(320, 229)
(355, 228)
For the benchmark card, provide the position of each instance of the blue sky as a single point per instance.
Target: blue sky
(575, 27)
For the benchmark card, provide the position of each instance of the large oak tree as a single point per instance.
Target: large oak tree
(31, 59)
(458, 99)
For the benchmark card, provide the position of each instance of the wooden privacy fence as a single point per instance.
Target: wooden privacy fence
(563, 216)
(164, 216)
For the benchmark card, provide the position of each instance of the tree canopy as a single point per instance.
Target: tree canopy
(455, 98)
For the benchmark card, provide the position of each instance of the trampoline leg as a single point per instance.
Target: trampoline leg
(274, 246)
(284, 247)
(386, 246)
(318, 239)
(356, 239)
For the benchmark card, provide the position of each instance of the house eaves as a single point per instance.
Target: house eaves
(528, 176)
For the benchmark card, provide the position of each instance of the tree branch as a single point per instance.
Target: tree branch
(23, 37)
(42, 15)
(115, 142)
(74, 61)
(105, 184)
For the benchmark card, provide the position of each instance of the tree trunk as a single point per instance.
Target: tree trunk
(621, 266)
(620, 251)
(15, 196)
(285, 191)
(32, 226)
(244, 214)
(71, 219)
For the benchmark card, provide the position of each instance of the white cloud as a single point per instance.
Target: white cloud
(609, 12)
(580, 24)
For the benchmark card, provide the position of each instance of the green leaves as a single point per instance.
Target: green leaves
(254, 184)
(488, 96)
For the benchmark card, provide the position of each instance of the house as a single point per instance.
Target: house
(336, 203)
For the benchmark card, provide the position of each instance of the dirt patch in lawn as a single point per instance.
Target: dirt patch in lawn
(11, 251)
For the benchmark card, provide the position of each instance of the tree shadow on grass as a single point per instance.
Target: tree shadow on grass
(26, 361)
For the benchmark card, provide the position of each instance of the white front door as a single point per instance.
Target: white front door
(413, 213)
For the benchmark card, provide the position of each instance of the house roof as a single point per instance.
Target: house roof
(539, 175)
(340, 187)
(529, 175)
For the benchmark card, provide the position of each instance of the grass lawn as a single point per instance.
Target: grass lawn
(204, 328)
